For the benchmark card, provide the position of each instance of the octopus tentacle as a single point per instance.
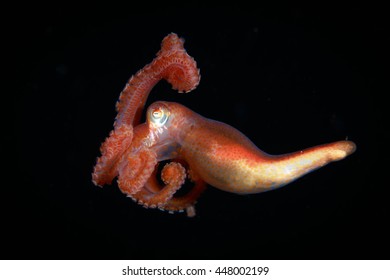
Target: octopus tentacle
(187, 201)
(156, 196)
(173, 64)
(135, 169)
(173, 175)
(106, 167)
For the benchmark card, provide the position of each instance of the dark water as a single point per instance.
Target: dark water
(287, 79)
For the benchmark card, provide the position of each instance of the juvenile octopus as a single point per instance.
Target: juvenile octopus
(204, 150)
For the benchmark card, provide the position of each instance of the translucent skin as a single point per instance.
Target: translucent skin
(225, 158)
(204, 150)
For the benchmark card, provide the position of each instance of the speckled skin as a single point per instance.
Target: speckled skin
(225, 158)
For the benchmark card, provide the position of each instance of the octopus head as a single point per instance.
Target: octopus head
(168, 121)
(158, 118)
(158, 115)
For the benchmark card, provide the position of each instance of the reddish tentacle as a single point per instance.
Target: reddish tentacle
(187, 201)
(172, 64)
(135, 170)
(106, 167)
(173, 175)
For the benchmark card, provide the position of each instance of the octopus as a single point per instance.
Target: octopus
(193, 149)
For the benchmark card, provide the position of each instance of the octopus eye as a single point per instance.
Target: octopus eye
(158, 116)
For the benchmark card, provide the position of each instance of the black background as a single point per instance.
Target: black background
(288, 79)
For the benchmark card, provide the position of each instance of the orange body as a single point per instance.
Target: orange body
(225, 158)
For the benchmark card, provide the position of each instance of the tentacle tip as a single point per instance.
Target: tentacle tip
(173, 173)
(191, 211)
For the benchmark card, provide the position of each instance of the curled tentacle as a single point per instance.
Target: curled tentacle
(173, 175)
(187, 201)
(180, 203)
(135, 170)
(172, 63)
(112, 149)
(156, 196)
